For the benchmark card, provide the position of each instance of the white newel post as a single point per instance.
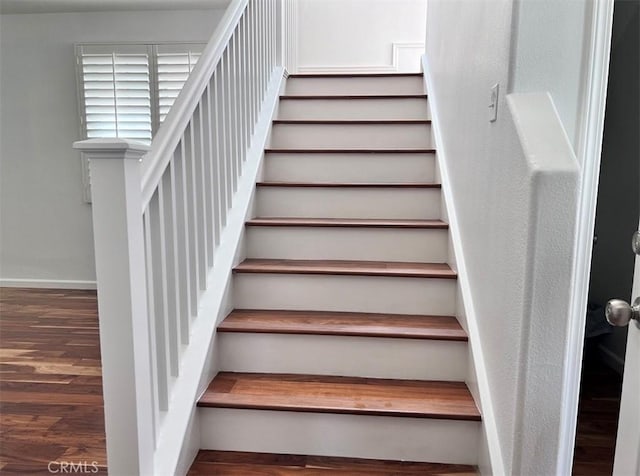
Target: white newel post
(122, 303)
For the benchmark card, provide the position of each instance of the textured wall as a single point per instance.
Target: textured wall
(45, 229)
(515, 197)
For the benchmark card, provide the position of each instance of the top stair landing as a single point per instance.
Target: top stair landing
(355, 84)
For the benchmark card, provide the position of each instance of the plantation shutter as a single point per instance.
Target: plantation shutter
(174, 64)
(116, 91)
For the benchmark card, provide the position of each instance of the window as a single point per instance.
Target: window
(173, 68)
(127, 91)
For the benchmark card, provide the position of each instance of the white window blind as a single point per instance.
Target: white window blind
(116, 92)
(174, 64)
(126, 91)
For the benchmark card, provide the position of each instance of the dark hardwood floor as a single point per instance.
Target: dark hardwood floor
(51, 394)
(597, 416)
(50, 382)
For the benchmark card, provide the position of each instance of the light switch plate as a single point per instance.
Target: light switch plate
(493, 107)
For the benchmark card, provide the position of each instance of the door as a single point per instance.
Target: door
(627, 459)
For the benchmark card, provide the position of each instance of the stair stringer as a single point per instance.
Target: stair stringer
(179, 443)
(490, 460)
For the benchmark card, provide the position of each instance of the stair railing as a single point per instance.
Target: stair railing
(159, 215)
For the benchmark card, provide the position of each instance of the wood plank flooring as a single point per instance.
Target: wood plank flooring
(49, 346)
(344, 323)
(50, 381)
(352, 395)
(346, 267)
(230, 463)
(598, 412)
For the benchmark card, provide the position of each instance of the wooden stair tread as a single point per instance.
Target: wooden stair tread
(287, 97)
(348, 184)
(236, 463)
(346, 267)
(344, 324)
(352, 395)
(242, 469)
(352, 122)
(353, 75)
(348, 222)
(350, 151)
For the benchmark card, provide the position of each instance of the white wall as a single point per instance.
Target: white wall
(550, 54)
(465, 59)
(45, 228)
(515, 200)
(359, 35)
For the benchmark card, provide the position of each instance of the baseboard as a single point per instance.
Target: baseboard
(346, 69)
(47, 283)
(611, 359)
(493, 463)
(394, 67)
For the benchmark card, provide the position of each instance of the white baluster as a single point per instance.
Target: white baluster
(237, 106)
(260, 45)
(268, 37)
(210, 177)
(244, 91)
(228, 133)
(233, 113)
(191, 218)
(169, 205)
(223, 99)
(218, 109)
(288, 32)
(163, 252)
(290, 45)
(253, 59)
(183, 240)
(280, 33)
(199, 186)
(272, 36)
(265, 47)
(155, 299)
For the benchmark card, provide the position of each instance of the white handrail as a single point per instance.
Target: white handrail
(171, 130)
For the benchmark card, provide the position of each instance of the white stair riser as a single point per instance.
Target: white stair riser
(374, 357)
(332, 202)
(351, 136)
(381, 244)
(353, 86)
(356, 436)
(345, 293)
(354, 109)
(379, 168)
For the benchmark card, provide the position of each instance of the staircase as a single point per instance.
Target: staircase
(343, 342)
